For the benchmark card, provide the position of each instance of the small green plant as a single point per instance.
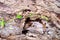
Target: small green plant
(19, 16)
(2, 23)
(31, 13)
(44, 17)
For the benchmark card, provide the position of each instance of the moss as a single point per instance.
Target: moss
(2, 23)
(19, 16)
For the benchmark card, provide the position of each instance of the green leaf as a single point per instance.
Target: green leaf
(19, 16)
(2, 23)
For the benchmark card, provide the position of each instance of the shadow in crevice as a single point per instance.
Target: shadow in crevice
(28, 21)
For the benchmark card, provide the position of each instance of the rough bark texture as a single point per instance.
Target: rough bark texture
(30, 27)
(12, 6)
